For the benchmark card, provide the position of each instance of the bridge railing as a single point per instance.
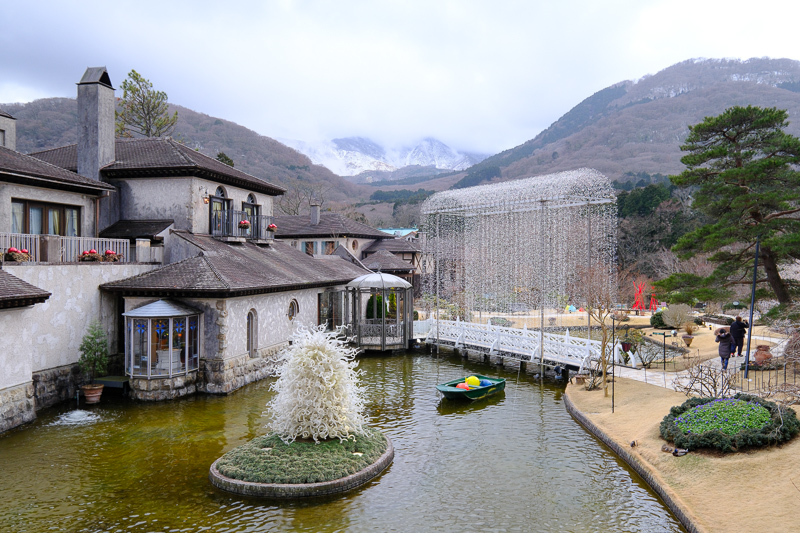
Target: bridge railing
(525, 343)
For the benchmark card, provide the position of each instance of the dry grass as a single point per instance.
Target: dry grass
(753, 491)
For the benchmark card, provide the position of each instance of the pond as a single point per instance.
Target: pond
(512, 462)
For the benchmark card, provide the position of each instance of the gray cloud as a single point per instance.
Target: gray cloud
(478, 75)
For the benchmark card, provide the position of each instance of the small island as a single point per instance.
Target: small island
(319, 442)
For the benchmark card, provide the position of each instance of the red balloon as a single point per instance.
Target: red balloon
(462, 386)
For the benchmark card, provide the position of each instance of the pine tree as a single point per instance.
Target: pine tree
(742, 165)
(142, 110)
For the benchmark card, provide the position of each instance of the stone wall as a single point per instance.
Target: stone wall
(56, 385)
(164, 389)
(222, 377)
(17, 406)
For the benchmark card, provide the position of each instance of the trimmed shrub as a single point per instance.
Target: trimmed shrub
(657, 321)
(730, 422)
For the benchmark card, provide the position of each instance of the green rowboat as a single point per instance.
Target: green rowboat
(451, 392)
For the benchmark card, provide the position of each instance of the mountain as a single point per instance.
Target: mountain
(52, 122)
(636, 127)
(352, 156)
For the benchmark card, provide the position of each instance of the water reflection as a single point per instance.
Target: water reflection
(512, 462)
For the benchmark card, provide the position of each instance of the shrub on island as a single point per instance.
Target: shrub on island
(729, 424)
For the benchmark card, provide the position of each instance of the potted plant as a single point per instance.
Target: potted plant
(13, 254)
(631, 339)
(272, 227)
(90, 255)
(689, 329)
(111, 256)
(93, 360)
(244, 224)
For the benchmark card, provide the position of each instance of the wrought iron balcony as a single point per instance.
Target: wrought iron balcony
(231, 224)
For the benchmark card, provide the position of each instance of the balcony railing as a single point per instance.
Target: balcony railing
(57, 249)
(228, 224)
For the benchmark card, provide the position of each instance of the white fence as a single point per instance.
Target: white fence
(20, 241)
(63, 249)
(73, 247)
(523, 344)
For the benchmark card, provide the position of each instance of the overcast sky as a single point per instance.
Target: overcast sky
(478, 75)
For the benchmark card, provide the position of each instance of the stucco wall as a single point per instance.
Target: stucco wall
(182, 198)
(25, 192)
(48, 334)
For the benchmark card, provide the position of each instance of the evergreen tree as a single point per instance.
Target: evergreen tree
(142, 110)
(742, 165)
(222, 157)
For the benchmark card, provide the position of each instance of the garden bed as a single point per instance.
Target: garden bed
(268, 467)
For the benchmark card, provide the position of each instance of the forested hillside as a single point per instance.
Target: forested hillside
(633, 127)
(52, 122)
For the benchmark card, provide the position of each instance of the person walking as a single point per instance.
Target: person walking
(726, 346)
(738, 331)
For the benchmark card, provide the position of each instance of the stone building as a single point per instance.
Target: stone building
(194, 293)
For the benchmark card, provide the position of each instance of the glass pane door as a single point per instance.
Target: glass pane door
(35, 215)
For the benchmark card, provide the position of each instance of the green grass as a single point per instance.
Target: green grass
(726, 415)
(268, 460)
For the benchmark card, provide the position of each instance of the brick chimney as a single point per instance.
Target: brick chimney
(8, 131)
(315, 212)
(96, 107)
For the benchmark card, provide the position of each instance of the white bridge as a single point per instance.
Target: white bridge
(522, 344)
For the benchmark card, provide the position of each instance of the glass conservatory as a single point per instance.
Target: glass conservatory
(162, 340)
(380, 308)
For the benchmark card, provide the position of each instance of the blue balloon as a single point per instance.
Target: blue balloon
(485, 383)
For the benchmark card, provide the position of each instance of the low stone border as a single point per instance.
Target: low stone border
(641, 468)
(303, 490)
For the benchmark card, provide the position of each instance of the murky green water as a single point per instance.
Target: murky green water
(515, 462)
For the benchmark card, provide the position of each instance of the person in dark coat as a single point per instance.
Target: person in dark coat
(726, 346)
(738, 331)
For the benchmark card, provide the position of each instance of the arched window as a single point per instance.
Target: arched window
(220, 219)
(251, 199)
(294, 309)
(355, 245)
(252, 333)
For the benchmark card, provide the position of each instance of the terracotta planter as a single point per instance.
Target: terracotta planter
(92, 393)
(687, 339)
(762, 354)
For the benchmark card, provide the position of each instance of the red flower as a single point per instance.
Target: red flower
(272, 227)
(92, 251)
(23, 251)
(111, 252)
(13, 250)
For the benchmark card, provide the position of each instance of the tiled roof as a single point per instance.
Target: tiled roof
(17, 293)
(330, 225)
(160, 157)
(4, 114)
(20, 168)
(392, 245)
(386, 261)
(135, 229)
(226, 270)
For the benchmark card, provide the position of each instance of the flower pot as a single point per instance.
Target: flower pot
(687, 339)
(92, 393)
(626, 346)
(762, 354)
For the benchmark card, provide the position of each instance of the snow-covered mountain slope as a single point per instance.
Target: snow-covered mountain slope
(350, 156)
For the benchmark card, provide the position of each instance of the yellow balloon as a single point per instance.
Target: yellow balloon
(473, 381)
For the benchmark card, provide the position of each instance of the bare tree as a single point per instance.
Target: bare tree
(597, 291)
(298, 197)
(706, 380)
